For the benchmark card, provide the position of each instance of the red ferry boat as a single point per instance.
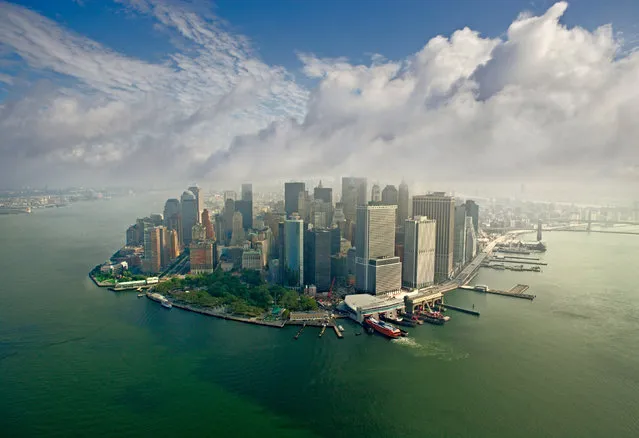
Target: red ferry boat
(383, 328)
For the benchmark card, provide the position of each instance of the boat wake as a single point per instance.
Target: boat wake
(431, 349)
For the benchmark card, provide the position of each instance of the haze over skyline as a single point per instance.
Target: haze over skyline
(164, 92)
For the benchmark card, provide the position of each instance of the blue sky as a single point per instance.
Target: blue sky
(355, 29)
(454, 93)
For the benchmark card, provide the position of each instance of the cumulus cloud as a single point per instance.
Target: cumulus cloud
(545, 103)
(542, 103)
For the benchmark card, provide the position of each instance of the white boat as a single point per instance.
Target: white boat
(341, 329)
(166, 303)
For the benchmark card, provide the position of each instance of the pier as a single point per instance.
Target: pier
(460, 309)
(515, 292)
(337, 332)
(299, 332)
(322, 331)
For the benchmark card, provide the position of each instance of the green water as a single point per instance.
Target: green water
(76, 360)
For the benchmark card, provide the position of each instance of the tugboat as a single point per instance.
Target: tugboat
(383, 328)
(398, 321)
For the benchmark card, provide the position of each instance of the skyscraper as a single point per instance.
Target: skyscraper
(173, 245)
(245, 206)
(152, 250)
(323, 193)
(402, 204)
(198, 200)
(377, 270)
(173, 217)
(208, 225)
(198, 233)
(237, 234)
(317, 261)
(292, 192)
(472, 210)
(389, 195)
(353, 194)
(294, 252)
(227, 216)
(441, 208)
(376, 194)
(459, 251)
(471, 240)
(202, 257)
(419, 252)
(190, 215)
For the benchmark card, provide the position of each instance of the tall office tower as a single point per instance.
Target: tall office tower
(325, 194)
(152, 250)
(317, 259)
(198, 233)
(281, 251)
(441, 208)
(156, 219)
(472, 210)
(303, 206)
(173, 245)
(471, 240)
(202, 257)
(208, 225)
(336, 240)
(320, 214)
(292, 192)
(173, 216)
(459, 250)
(377, 270)
(229, 211)
(237, 234)
(403, 204)
(165, 258)
(230, 194)
(132, 236)
(199, 201)
(389, 195)
(376, 194)
(190, 215)
(245, 206)
(419, 252)
(171, 208)
(353, 194)
(294, 252)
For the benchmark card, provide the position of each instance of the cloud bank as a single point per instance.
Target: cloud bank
(543, 103)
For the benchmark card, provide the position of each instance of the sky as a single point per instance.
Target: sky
(469, 96)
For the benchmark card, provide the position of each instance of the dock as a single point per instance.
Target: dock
(299, 332)
(515, 292)
(461, 309)
(322, 331)
(337, 332)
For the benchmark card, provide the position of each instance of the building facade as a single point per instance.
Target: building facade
(353, 194)
(317, 261)
(441, 208)
(294, 252)
(292, 192)
(202, 257)
(190, 215)
(403, 204)
(419, 252)
(377, 270)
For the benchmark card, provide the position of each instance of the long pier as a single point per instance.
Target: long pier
(515, 292)
(337, 332)
(460, 309)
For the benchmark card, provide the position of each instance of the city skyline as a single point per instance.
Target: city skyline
(494, 125)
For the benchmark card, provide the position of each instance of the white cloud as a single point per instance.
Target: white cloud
(546, 103)
(543, 103)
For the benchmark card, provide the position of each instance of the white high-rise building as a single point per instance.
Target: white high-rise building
(377, 270)
(419, 252)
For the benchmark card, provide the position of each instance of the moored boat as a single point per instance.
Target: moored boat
(398, 321)
(166, 303)
(383, 328)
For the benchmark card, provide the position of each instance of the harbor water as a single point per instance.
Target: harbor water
(77, 360)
